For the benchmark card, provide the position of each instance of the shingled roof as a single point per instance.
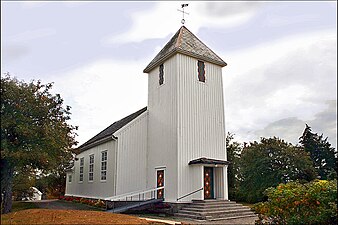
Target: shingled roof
(109, 131)
(204, 160)
(187, 43)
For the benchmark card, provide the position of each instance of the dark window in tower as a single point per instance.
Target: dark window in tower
(161, 74)
(201, 71)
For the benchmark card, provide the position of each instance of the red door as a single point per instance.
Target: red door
(160, 183)
(208, 183)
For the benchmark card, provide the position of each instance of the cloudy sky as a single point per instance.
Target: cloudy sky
(281, 56)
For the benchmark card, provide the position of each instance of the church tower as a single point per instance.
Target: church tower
(186, 127)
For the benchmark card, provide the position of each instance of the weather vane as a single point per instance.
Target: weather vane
(183, 5)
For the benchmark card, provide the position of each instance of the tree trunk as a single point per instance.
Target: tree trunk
(7, 173)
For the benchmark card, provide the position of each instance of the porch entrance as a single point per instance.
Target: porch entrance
(208, 183)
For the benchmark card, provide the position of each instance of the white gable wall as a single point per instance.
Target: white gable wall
(132, 155)
(95, 188)
(162, 130)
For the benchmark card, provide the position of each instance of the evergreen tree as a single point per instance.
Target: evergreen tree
(323, 155)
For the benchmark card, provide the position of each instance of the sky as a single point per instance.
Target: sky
(281, 56)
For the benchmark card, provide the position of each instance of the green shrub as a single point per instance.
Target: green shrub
(295, 203)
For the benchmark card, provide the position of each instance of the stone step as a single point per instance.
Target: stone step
(218, 210)
(230, 214)
(213, 203)
(214, 206)
(192, 216)
(215, 210)
(211, 200)
(232, 217)
(210, 218)
(207, 209)
(215, 213)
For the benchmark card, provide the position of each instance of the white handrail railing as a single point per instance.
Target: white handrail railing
(131, 194)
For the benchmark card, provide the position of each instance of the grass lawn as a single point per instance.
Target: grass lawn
(54, 216)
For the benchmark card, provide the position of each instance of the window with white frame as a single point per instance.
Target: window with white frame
(70, 178)
(81, 169)
(104, 165)
(91, 168)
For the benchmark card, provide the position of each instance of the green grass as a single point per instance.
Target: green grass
(18, 206)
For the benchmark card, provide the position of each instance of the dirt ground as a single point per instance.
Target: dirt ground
(59, 216)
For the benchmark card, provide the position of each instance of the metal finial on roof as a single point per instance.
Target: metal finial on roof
(182, 6)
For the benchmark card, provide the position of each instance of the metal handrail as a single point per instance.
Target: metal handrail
(131, 194)
(200, 189)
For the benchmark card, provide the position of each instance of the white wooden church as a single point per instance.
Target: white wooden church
(175, 145)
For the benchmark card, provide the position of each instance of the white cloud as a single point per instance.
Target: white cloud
(32, 34)
(101, 93)
(289, 78)
(14, 52)
(32, 4)
(164, 18)
(290, 129)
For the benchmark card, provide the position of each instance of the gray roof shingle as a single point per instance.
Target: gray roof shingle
(187, 43)
(109, 131)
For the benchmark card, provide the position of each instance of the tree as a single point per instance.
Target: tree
(233, 155)
(35, 134)
(324, 157)
(268, 163)
(22, 183)
(295, 203)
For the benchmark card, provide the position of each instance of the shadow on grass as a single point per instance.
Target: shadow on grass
(19, 205)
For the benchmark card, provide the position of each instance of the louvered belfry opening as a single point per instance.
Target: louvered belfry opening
(201, 71)
(161, 74)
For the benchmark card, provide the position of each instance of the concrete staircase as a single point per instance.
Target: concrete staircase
(214, 210)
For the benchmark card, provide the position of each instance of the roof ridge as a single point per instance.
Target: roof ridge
(179, 38)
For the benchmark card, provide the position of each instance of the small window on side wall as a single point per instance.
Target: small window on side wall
(161, 74)
(201, 71)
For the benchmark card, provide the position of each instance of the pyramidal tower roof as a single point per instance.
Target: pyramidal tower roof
(186, 43)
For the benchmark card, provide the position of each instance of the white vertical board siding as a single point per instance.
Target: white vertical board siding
(95, 188)
(201, 127)
(132, 155)
(162, 130)
(218, 182)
